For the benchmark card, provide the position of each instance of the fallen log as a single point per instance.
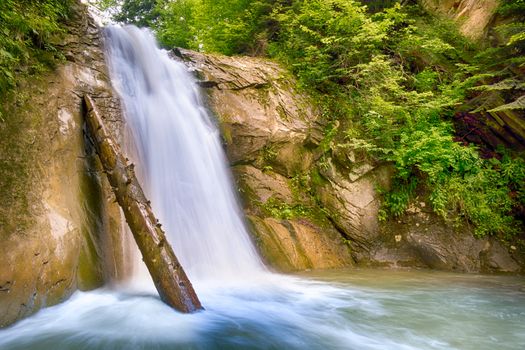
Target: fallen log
(174, 287)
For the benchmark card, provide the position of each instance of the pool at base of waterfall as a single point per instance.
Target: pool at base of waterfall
(340, 309)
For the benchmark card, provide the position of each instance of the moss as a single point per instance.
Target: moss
(267, 154)
(21, 134)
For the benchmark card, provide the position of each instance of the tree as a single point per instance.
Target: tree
(142, 13)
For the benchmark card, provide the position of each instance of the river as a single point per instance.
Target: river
(341, 309)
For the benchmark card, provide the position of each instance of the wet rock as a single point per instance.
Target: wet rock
(432, 242)
(259, 186)
(355, 200)
(495, 258)
(58, 225)
(262, 118)
(291, 245)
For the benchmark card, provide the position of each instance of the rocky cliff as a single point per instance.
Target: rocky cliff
(313, 211)
(474, 17)
(59, 227)
(269, 132)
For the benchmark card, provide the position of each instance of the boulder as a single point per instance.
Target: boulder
(430, 241)
(298, 244)
(354, 200)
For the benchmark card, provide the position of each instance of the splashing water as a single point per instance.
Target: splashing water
(183, 171)
(353, 309)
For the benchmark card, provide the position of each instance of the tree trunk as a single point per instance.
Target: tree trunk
(173, 285)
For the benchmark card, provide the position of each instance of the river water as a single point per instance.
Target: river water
(184, 173)
(344, 309)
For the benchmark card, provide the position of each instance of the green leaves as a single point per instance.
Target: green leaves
(401, 76)
(26, 29)
(139, 12)
(228, 27)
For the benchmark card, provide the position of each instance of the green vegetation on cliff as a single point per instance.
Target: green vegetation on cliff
(26, 37)
(389, 83)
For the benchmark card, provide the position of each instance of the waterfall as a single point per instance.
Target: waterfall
(180, 161)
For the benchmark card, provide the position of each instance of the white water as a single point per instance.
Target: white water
(180, 160)
(184, 173)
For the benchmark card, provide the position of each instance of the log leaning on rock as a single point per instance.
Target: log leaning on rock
(174, 287)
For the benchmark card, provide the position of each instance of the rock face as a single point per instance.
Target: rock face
(269, 132)
(59, 227)
(421, 238)
(311, 209)
(473, 16)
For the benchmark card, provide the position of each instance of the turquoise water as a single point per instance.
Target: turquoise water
(346, 309)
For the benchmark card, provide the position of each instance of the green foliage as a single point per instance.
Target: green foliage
(176, 27)
(511, 53)
(281, 210)
(229, 27)
(139, 12)
(397, 201)
(26, 32)
(512, 7)
(387, 83)
(402, 74)
(460, 183)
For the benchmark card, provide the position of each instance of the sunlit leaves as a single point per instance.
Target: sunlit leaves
(26, 29)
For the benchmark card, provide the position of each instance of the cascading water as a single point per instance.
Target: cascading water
(184, 172)
(179, 157)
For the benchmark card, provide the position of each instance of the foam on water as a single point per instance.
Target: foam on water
(351, 309)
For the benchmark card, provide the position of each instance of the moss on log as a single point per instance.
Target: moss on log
(174, 287)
